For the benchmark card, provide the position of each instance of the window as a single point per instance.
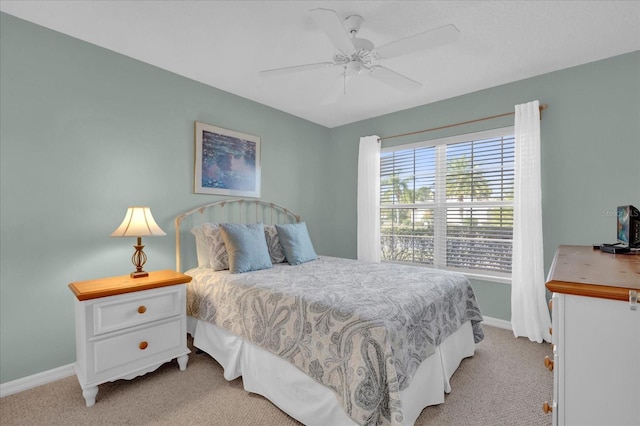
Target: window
(448, 203)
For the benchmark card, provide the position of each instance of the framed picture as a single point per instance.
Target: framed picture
(227, 162)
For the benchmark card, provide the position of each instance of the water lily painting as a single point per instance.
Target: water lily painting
(227, 162)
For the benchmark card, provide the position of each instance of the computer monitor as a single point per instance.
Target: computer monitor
(628, 226)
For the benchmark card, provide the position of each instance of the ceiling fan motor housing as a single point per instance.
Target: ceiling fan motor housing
(352, 24)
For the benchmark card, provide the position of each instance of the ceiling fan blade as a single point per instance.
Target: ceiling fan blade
(331, 25)
(393, 79)
(295, 68)
(426, 40)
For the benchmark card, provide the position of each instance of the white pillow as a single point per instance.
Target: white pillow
(202, 248)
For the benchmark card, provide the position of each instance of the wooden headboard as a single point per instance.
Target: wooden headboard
(235, 210)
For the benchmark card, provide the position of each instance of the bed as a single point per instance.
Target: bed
(329, 341)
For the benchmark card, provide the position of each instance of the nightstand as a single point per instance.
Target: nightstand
(127, 327)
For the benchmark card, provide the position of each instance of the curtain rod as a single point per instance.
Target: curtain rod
(541, 107)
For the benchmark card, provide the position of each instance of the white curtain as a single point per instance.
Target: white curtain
(529, 312)
(369, 199)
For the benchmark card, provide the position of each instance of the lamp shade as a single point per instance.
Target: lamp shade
(138, 222)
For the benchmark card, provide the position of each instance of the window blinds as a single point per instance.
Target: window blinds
(450, 204)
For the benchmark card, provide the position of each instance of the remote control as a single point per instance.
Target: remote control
(614, 250)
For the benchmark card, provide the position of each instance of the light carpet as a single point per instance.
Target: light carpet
(504, 383)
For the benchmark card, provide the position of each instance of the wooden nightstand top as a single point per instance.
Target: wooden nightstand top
(103, 287)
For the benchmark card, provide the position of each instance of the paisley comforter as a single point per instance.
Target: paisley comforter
(361, 329)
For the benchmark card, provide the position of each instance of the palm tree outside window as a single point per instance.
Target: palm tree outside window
(449, 203)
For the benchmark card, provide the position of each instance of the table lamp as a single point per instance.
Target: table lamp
(138, 222)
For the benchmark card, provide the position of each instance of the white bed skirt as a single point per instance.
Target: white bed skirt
(308, 401)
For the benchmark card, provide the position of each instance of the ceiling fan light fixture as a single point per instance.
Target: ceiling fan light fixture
(353, 68)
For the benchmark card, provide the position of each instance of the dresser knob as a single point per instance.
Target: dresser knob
(548, 362)
(547, 408)
(142, 309)
(143, 345)
(550, 330)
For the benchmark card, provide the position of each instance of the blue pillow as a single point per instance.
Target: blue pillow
(246, 247)
(296, 243)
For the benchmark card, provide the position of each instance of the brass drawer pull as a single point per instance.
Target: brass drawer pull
(548, 362)
(547, 408)
(143, 345)
(142, 309)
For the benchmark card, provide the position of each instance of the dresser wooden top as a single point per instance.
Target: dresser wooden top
(93, 289)
(583, 271)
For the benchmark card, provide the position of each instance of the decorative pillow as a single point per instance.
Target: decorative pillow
(218, 258)
(202, 248)
(296, 243)
(273, 244)
(246, 247)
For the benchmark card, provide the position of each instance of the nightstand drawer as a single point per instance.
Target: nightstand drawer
(131, 348)
(133, 309)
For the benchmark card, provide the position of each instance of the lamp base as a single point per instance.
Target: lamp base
(139, 259)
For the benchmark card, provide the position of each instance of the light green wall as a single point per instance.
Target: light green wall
(590, 153)
(85, 132)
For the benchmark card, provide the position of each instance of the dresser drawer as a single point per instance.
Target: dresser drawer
(137, 308)
(134, 348)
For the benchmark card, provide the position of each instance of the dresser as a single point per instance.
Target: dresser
(126, 327)
(596, 338)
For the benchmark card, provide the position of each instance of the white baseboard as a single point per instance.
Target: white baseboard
(19, 385)
(25, 383)
(496, 322)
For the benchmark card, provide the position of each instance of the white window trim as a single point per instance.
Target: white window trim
(439, 228)
(485, 134)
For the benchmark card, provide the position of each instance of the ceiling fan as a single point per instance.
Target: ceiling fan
(358, 56)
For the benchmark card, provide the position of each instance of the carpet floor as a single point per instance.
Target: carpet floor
(504, 383)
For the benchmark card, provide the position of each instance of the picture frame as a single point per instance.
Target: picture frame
(227, 162)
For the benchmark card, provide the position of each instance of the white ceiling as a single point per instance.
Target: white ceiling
(226, 43)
